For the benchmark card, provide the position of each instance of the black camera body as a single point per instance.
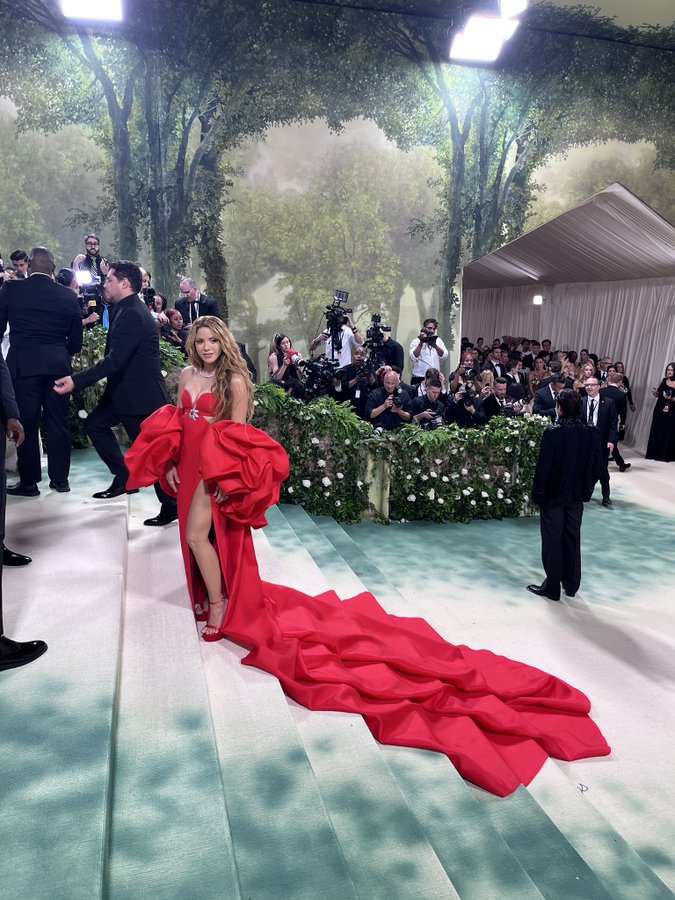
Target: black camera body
(397, 397)
(148, 295)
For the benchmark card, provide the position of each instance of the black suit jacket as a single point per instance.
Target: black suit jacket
(249, 362)
(8, 410)
(45, 326)
(567, 464)
(206, 306)
(544, 402)
(619, 399)
(608, 424)
(131, 363)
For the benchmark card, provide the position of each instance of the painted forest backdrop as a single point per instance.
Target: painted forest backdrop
(276, 151)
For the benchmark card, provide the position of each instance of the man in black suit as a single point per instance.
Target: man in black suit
(12, 653)
(135, 387)
(249, 362)
(45, 330)
(193, 304)
(600, 413)
(614, 391)
(546, 398)
(563, 480)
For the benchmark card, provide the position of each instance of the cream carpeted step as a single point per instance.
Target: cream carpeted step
(57, 714)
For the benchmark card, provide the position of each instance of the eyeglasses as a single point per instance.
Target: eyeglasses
(91, 244)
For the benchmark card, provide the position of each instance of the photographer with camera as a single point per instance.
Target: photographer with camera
(465, 407)
(429, 411)
(283, 363)
(389, 407)
(498, 403)
(348, 333)
(358, 380)
(426, 350)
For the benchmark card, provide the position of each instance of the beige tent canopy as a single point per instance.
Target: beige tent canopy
(606, 271)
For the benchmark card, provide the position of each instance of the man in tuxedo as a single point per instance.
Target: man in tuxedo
(194, 304)
(563, 480)
(135, 387)
(614, 391)
(45, 330)
(494, 363)
(499, 404)
(600, 413)
(546, 398)
(12, 653)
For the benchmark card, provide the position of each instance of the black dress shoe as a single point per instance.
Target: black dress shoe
(9, 558)
(115, 490)
(62, 487)
(163, 518)
(540, 591)
(606, 501)
(625, 467)
(23, 490)
(18, 653)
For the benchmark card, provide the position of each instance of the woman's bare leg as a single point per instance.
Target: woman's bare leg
(200, 519)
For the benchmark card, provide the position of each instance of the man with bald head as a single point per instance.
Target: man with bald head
(45, 330)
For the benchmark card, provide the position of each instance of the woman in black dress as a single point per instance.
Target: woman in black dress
(661, 443)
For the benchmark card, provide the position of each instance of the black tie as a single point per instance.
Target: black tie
(591, 410)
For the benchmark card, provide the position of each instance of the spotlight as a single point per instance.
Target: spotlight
(93, 10)
(484, 34)
(537, 300)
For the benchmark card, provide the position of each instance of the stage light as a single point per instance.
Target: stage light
(93, 10)
(483, 36)
(537, 299)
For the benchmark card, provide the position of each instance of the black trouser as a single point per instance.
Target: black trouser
(561, 547)
(37, 399)
(99, 425)
(617, 457)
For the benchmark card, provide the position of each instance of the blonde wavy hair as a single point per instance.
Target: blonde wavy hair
(230, 363)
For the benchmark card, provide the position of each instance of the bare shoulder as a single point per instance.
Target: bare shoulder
(238, 384)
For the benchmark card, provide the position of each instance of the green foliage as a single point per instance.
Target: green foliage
(446, 475)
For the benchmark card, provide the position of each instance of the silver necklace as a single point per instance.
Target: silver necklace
(205, 374)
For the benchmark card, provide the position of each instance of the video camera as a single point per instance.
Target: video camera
(91, 289)
(148, 295)
(336, 317)
(319, 375)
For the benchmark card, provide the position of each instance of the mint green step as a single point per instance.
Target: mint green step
(576, 852)
(57, 714)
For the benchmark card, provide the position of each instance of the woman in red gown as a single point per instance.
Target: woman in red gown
(497, 720)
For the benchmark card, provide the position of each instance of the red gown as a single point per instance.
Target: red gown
(497, 720)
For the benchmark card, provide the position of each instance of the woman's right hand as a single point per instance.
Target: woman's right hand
(172, 477)
(655, 392)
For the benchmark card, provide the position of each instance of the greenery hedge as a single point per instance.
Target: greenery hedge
(447, 475)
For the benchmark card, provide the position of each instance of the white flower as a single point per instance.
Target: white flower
(83, 413)
(507, 476)
(525, 497)
(359, 484)
(326, 493)
(408, 477)
(441, 500)
(432, 494)
(445, 478)
(465, 471)
(484, 494)
(486, 477)
(338, 503)
(315, 440)
(489, 503)
(290, 490)
(454, 451)
(454, 475)
(347, 442)
(466, 492)
(500, 494)
(415, 459)
(507, 500)
(425, 477)
(326, 482)
(473, 502)
(438, 461)
(411, 498)
(163, 374)
(434, 474)
(339, 475)
(530, 443)
(321, 463)
(256, 402)
(306, 482)
(507, 449)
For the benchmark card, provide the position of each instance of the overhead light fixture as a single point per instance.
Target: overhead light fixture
(93, 10)
(537, 300)
(484, 34)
